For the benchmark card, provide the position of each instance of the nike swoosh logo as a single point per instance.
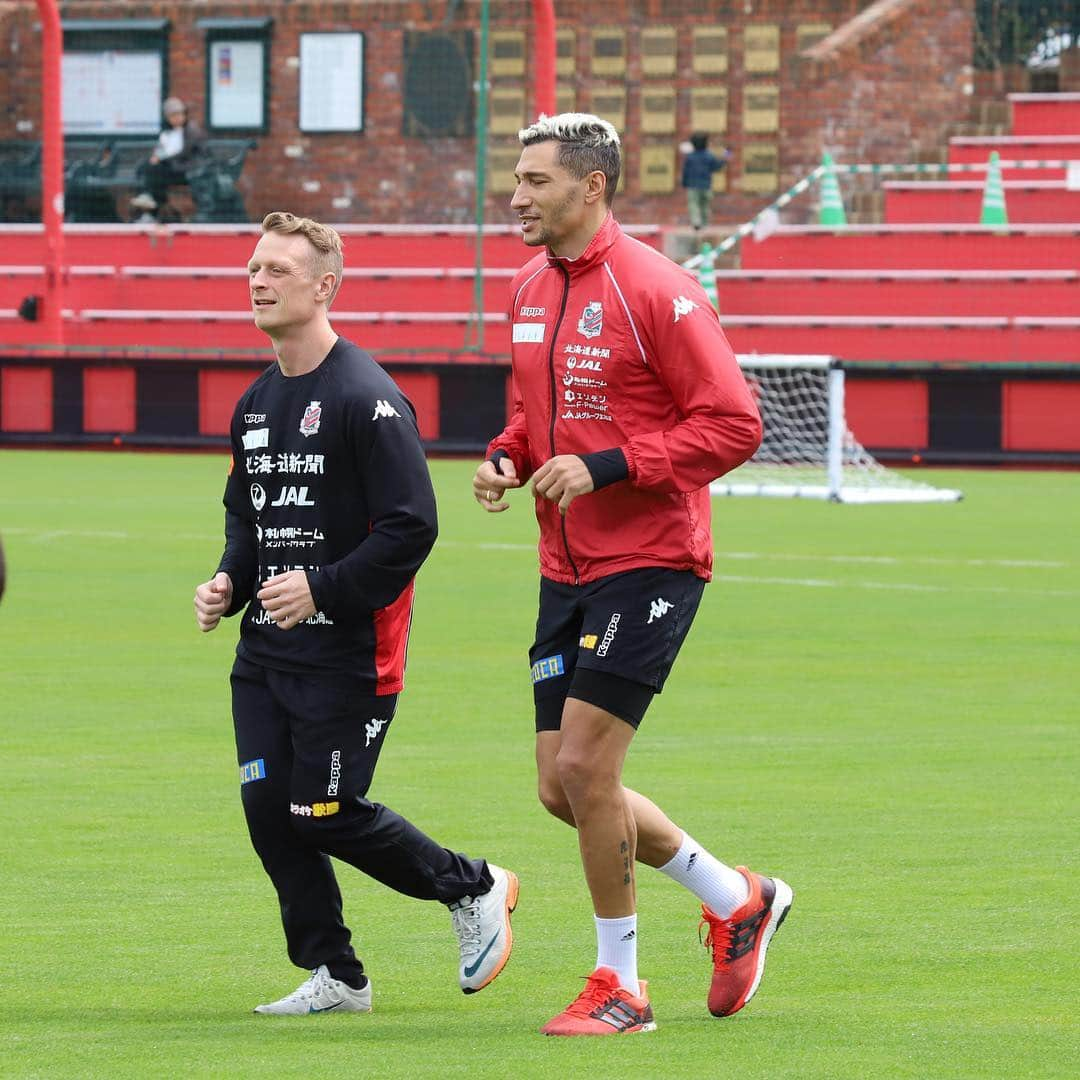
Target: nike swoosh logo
(312, 1009)
(475, 967)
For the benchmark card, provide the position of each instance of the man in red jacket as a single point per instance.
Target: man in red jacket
(629, 401)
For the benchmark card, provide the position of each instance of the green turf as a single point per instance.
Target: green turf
(880, 703)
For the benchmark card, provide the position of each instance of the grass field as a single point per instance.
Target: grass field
(878, 703)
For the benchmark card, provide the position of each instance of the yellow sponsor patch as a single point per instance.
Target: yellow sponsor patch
(587, 641)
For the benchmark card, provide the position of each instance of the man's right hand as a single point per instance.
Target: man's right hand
(490, 484)
(212, 600)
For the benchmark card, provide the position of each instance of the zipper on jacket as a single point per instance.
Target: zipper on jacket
(555, 404)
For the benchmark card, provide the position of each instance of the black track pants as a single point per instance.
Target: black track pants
(307, 748)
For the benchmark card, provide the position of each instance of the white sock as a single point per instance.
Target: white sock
(720, 887)
(616, 948)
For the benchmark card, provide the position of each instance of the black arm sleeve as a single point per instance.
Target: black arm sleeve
(401, 507)
(606, 467)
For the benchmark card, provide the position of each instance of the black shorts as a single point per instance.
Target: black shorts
(611, 642)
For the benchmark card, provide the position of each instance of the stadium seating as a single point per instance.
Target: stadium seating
(225, 287)
(1045, 114)
(926, 339)
(898, 292)
(928, 289)
(370, 246)
(1028, 201)
(975, 149)
(916, 247)
(931, 290)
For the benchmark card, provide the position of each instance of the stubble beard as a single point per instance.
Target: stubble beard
(545, 232)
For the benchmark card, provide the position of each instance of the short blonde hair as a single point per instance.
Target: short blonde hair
(325, 242)
(586, 144)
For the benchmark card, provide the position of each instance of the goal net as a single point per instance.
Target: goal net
(807, 450)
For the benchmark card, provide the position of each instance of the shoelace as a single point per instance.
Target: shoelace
(596, 994)
(731, 940)
(718, 938)
(306, 991)
(466, 921)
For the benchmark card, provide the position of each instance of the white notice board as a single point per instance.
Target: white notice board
(331, 82)
(237, 82)
(111, 92)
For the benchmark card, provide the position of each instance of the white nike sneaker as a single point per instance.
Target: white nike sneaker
(321, 993)
(483, 929)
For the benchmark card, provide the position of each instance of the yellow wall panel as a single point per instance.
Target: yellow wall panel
(710, 50)
(659, 46)
(761, 48)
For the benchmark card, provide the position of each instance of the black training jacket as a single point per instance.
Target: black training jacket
(328, 475)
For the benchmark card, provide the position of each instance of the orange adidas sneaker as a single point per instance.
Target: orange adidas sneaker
(739, 943)
(604, 1008)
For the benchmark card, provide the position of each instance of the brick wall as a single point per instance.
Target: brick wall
(878, 94)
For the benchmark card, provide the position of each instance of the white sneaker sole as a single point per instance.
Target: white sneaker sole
(781, 905)
(512, 888)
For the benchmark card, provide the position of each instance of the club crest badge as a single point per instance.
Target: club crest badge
(312, 418)
(591, 322)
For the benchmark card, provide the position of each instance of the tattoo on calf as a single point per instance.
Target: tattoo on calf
(624, 850)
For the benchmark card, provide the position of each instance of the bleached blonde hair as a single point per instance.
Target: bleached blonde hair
(326, 243)
(587, 144)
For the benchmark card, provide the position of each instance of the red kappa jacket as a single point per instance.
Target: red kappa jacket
(620, 348)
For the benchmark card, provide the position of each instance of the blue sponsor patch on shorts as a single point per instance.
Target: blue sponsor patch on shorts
(548, 668)
(252, 770)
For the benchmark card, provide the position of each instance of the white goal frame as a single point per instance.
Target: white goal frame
(823, 460)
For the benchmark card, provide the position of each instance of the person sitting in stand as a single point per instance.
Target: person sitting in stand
(180, 144)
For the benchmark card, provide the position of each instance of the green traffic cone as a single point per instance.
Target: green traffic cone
(993, 203)
(832, 206)
(707, 274)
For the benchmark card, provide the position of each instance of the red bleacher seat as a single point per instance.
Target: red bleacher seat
(916, 247)
(231, 330)
(976, 150)
(379, 246)
(224, 288)
(899, 292)
(1045, 114)
(1026, 201)
(940, 339)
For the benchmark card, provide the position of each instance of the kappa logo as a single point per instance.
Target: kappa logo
(591, 323)
(258, 497)
(682, 306)
(384, 410)
(335, 773)
(658, 609)
(312, 419)
(609, 635)
(532, 312)
(373, 727)
(255, 418)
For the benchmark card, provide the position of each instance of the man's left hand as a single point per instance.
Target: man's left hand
(562, 479)
(287, 598)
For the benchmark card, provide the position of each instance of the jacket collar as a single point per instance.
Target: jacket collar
(594, 253)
